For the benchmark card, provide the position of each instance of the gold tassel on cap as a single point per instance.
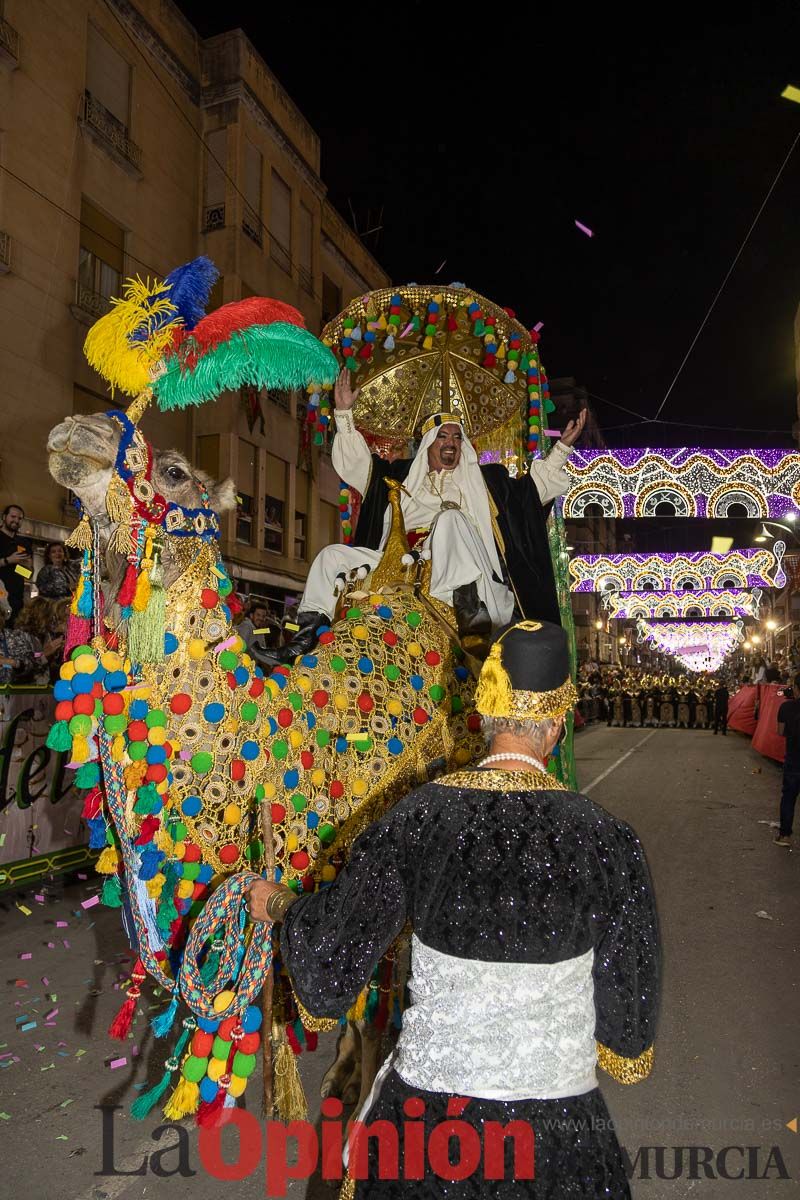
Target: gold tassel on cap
(494, 696)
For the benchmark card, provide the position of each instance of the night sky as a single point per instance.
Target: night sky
(479, 138)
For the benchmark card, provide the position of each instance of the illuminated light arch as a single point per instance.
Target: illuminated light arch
(688, 581)
(697, 645)
(630, 605)
(609, 502)
(631, 572)
(681, 499)
(722, 500)
(766, 482)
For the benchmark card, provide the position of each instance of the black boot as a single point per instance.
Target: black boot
(472, 615)
(302, 641)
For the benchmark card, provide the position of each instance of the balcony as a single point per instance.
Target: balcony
(306, 281)
(280, 255)
(5, 253)
(9, 45)
(110, 134)
(213, 218)
(251, 226)
(88, 305)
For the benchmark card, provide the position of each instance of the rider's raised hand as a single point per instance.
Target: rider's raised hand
(344, 395)
(574, 429)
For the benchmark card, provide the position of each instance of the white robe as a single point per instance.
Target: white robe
(460, 544)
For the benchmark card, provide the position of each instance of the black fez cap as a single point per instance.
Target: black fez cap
(526, 676)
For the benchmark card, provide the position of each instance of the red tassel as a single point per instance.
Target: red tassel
(311, 1039)
(128, 587)
(291, 1038)
(210, 1111)
(120, 1027)
(92, 804)
(148, 827)
(452, 323)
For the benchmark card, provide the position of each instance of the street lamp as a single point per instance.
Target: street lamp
(771, 624)
(747, 645)
(755, 638)
(766, 536)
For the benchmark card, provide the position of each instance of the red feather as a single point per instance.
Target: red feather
(239, 314)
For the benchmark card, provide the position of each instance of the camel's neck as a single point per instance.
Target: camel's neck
(188, 567)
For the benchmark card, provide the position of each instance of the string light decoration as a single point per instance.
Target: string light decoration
(697, 645)
(731, 602)
(692, 481)
(698, 571)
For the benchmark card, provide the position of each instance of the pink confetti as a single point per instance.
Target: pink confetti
(226, 645)
(584, 229)
(66, 943)
(118, 1062)
(51, 945)
(53, 1013)
(40, 898)
(62, 924)
(553, 433)
(45, 981)
(134, 1051)
(81, 875)
(90, 903)
(539, 325)
(27, 955)
(407, 330)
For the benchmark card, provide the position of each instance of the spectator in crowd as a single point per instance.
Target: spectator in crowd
(721, 699)
(14, 552)
(59, 575)
(37, 619)
(759, 670)
(258, 617)
(789, 728)
(21, 657)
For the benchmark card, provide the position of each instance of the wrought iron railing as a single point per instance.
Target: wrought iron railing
(280, 255)
(5, 251)
(213, 217)
(306, 281)
(90, 301)
(98, 119)
(252, 227)
(9, 39)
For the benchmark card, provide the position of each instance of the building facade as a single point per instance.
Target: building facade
(128, 145)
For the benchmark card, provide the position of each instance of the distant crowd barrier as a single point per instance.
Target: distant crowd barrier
(754, 712)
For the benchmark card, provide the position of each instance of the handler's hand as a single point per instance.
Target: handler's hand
(258, 894)
(574, 429)
(344, 395)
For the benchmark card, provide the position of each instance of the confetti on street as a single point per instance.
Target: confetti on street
(584, 229)
(90, 903)
(791, 93)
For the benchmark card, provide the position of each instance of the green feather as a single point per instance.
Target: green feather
(264, 356)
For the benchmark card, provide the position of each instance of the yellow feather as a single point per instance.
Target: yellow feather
(123, 363)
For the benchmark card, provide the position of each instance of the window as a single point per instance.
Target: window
(300, 534)
(331, 299)
(206, 456)
(306, 250)
(247, 483)
(108, 78)
(274, 505)
(100, 260)
(329, 523)
(251, 218)
(216, 153)
(280, 232)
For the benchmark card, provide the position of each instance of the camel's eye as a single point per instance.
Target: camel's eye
(177, 474)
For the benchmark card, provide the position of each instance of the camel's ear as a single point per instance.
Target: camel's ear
(223, 496)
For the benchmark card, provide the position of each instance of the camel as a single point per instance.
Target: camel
(383, 702)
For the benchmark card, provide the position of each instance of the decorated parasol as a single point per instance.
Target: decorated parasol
(420, 349)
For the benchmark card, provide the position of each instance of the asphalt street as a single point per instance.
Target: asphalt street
(728, 1051)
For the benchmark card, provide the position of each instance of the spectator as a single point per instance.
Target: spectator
(37, 619)
(59, 575)
(21, 657)
(789, 728)
(14, 552)
(721, 699)
(759, 671)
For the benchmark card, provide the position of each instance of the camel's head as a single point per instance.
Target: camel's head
(95, 455)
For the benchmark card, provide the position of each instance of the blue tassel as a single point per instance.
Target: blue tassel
(229, 1101)
(97, 833)
(389, 342)
(162, 1024)
(510, 377)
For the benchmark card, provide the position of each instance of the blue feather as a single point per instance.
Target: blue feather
(189, 289)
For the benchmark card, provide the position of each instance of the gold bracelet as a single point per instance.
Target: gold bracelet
(279, 902)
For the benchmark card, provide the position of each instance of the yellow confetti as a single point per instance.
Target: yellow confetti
(25, 572)
(25, 911)
(289, 625)
(791, 93)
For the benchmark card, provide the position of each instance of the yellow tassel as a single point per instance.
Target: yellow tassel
(76, 595)
(183, 1101)
(81, 536)
(80, 749)
(134, 775)
(494, 696)
(142, 595)
(359, 1008)
(427, 343)
(118, 748)
(155, 886)
(163, 841)
(289, 1097)
(108, 862)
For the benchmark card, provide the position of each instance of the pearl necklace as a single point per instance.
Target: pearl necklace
(526, 758)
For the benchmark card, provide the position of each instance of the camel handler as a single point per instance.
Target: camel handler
(535, 951)
(484, 531)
